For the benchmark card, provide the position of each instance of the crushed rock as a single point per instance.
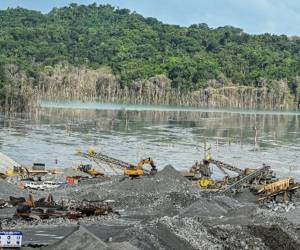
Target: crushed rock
(166, 180)
(274, 237)
(80, 238)
(167, 203)
(214, 206)
(191, 231)
(236, 237)
(15, 223)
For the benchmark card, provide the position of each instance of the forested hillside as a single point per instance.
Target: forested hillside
(135, 52)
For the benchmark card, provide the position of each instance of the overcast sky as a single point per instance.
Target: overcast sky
(253, 16)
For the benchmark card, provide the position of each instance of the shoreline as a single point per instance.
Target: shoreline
(76, 104)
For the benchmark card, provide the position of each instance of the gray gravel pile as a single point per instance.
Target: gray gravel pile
(153, 204)
(215, 206)
(166, 180)
(165, 192)
(9, 223)
(236, 237)
(80, 238)
(193, 233)
(281, 207)
(171, 233)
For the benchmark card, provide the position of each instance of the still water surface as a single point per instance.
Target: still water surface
(169, 135)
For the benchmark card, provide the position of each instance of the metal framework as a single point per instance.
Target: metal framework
(245, 179)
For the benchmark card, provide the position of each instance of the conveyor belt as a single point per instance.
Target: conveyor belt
(223, 166)
(110, 161)
(245, 179)
(106, 159)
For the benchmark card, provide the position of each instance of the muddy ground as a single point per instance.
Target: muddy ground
(165, 211)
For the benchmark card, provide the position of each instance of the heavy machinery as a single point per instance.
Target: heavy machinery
(261, 181)
(264, 177)
(138, 170)
(198, 170)
(128, 169)
(47, 208)
(10, 168)
(206, 182)
(24, 208)
(202, 173)
(285, 188)
(40, 209)
(87, 168)
(222, 166)
(236, 186)
(34, 172)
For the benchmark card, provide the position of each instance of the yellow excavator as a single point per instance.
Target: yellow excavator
(135, 171)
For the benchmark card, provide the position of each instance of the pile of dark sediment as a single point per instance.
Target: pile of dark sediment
(213, 206)
(82, 238)
(242, 227)
(192, 233)
(164, 193)
(166, 180)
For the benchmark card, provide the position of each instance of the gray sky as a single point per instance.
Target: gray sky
(253, 16)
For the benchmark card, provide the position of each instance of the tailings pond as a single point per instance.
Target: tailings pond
(169, 135)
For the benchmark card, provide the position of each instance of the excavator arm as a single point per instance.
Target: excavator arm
(149, 161)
